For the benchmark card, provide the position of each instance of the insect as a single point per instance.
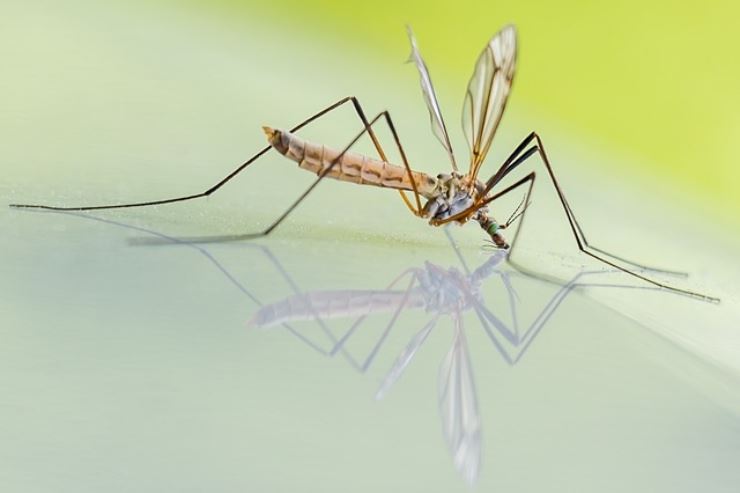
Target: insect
(452, 197)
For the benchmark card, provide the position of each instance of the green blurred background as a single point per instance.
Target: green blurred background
(652, 83)
(130, 369)
(656, 80)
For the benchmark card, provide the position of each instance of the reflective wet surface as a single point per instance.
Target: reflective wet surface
(355, 349)
(280, 364)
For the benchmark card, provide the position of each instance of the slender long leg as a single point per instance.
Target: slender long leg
(531, 179)
(554, 303)
(520, 343)
(224, 180)
(297, 202)
(297, 290)
(227, 274)
(477, 205)
(575, 228)
(358, 108)
(359, 321)
(371, 357)
(518, 157)
(482, 272)
(456, 249)
(417, 210)
(515, 159)
(389, 121)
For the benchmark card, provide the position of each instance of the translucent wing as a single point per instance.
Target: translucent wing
(487, 92)
(435, 113)
(405, 358)
(458, 406)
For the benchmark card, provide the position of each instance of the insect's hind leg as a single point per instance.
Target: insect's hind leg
(326, 171)
(210, 190)
(416, 210)
(583, 245)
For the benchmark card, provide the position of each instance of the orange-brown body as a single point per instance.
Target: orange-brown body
(447, 195)
(352, 167)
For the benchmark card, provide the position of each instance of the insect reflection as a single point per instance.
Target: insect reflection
(440, 292)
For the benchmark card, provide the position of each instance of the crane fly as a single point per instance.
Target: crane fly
(452, 197)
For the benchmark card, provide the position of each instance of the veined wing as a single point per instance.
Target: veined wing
(458, 406)
(435, 113)
(405, 358)
(487, 92)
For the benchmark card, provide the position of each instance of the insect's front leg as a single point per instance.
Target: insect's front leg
(580, 238)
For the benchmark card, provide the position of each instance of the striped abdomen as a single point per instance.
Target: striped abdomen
(335, 304)
(352, 167)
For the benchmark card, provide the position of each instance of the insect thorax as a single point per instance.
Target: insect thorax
(453, 194)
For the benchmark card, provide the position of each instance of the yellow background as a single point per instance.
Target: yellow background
(657, 80)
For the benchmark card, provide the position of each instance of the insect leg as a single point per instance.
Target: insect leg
(394, 319)
(518, 157)
(416, 210)
(358, 108)
(575, 227)
(514, 160)
(297, 202)
(207, 192)
(412, 273)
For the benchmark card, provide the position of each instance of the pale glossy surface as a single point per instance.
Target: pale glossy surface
(132, 368)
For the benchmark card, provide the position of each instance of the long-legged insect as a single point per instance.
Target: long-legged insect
(449, 197)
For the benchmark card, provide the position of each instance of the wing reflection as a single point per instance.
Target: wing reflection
(458, 406)
(438, 293)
